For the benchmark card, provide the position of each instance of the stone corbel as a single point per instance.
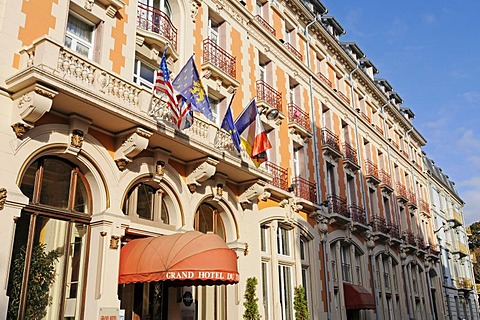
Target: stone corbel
(132, 143)
(112, 6)
(78, 130)
(160, 158)
(32, 103)
(220, 180)
(251, 193)
(203, 170)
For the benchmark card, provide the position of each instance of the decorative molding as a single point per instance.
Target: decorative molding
(114, 241)
(252, 192)
(88, 5)
(203, 170)
(194, 6)
(133, 142)
(112, 6)
(3, 197)
(32, 102)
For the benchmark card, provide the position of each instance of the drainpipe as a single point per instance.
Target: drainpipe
(316, 167)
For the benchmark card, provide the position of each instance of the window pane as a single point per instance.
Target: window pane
(265, 292)
(283, 241)
(28, 181)
(56, 183)
(145, 198)
(205, 219)
(164, 213)
(81, 197)
(79, 28)
(285, 285)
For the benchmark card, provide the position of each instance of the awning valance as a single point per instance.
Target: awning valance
(183, 259)
(357, 297)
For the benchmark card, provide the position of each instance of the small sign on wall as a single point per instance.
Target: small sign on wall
(109, 314)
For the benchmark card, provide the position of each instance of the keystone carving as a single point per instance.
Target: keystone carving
(32, 102)
(160, 158)
(204, 170)
(218, 187)
(254, 191)
(78, 129)
(134, 142)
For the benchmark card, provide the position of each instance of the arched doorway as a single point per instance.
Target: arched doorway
(51, 240)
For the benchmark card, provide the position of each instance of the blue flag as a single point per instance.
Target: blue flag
(247, 117)
(229, 126)
(188, 84)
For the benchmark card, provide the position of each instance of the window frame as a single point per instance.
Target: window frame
(77, 40)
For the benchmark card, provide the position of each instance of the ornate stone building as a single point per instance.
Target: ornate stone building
(92, 163)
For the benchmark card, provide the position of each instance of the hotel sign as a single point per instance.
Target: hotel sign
(202, 275)
(109, 314)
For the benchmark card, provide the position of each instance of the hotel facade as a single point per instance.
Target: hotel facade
(92, 163)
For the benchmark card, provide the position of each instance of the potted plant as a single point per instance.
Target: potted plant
(251, 300)
(41, 277)
(300, 304)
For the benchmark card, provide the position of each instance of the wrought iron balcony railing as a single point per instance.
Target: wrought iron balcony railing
(280, 175)
(268, 95)
(305, 189)
(265, 24)
(350, 153)
(218, 57)
(393, 231)
(409, 238)
(401, 191)
(357, 213)
(298, 116)
(156, 21)
(325, 80)
(378, 224)
(337, 205)
(330, 139)
(294, 51)
(423, 205)
(385, 178)
(343, 97)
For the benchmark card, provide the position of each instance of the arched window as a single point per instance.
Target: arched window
(147, 202)
(50, 246)
(211, 299)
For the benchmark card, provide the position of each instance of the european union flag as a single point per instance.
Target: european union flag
(188, 84)
(229, 126)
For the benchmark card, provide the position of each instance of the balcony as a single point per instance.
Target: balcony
(385, 181)
(293, 51)
(423, 206)
(344, 98)
(279, 175)
(378, 129)
(220, 64)
(305, 189)
(394, 232)
(350, 159)
(265, 24)
(412, 200)
(379, 227)
(155, 27)
(325, 80)
(464, 284)
(421, 243)
(117, 105)
(409, 239)
(372, 172)
(299, 122)
(365, 117)
(338, 208)
(401, 193)
(456, 218)
(331, 144)
(269, 102)
(357, 214)
(460, 249)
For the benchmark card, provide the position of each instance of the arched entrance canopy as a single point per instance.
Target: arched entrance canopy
(183, 259)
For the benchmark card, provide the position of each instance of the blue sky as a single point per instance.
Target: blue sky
(429, 52)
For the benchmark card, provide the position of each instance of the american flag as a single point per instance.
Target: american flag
(163, 85)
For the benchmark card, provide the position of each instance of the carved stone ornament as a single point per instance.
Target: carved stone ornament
(220, 180)
(252, 193)
(3, 197)
(203, 170)
(136, 141)
(160, 158)
(194, 5)
(114, 241)
(20, 128)
(76, 139)
(32, 102)
(89, 5)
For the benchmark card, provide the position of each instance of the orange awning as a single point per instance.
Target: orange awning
(183, 259)
(357, 297)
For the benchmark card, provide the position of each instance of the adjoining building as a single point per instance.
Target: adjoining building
(112, 212)
(461, 301)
